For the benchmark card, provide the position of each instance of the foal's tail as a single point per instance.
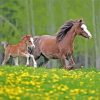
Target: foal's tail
(4, 44)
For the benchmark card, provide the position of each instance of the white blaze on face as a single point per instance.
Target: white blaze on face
(32, 41)
(83, 26)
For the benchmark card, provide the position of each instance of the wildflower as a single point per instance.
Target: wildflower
(81, 83)
(63, 87)
(1, 73)
(90, 98)
(92, 91)
(74, 91)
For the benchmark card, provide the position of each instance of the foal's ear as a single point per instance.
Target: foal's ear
(27, 36)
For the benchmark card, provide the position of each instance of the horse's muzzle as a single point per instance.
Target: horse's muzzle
(90, 37)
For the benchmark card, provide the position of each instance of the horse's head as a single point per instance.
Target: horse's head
(81, 29)
(29, 40)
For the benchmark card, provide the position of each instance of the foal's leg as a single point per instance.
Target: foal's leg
(27, 55)
(6, 58)
(16, 61)
(27, 62)
(27, 58)
(35, 64)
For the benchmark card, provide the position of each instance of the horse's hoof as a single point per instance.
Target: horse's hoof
(27, 65)
(77, 66)
(69, 67)
(35, 65)
(81, 66)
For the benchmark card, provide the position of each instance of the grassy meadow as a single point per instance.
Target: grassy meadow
(28, 83)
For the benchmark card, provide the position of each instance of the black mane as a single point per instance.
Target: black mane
(63, 30)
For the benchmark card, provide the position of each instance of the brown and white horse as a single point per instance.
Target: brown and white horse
(61, 46)
(20, 49)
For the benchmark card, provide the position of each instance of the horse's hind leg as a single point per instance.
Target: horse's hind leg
(71, 60)
(6, 58)
(45, 62)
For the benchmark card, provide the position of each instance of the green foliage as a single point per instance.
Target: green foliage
(48, 16)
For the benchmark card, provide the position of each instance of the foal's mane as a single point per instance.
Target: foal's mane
(64, 30)
(25, 37)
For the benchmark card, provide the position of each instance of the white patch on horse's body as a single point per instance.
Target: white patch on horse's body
(32, 41)
(84, 27)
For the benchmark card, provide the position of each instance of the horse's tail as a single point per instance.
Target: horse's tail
(4, 44)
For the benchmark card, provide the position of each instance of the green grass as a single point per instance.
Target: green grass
(28, 83)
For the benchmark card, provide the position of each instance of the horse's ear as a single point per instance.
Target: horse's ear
(81, 20)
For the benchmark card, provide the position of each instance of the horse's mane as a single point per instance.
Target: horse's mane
(64, 30)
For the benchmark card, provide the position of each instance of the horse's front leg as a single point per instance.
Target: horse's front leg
(27, 58)
(72, 63)
(63, 61)
(71, 60)
(35, 64)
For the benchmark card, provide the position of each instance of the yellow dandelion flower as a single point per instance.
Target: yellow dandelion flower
(1, 90)
(1, 73)
(17, 98)
(46, 94)
(51, 92)
(92, 91)
(63, 87)
(47, 98)
(55, 80)
(83, 91)
(90, 98)
(81, 83)
(90, 79)
(32, 82)
(25, 74)
(56, 76)
(74, 91)
(45, 75)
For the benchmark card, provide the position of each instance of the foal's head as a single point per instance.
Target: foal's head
(29, 40)
(81, 29)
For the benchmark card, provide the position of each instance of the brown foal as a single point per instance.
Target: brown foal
(20, 49)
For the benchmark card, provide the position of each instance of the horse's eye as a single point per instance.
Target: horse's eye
(29, 41)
